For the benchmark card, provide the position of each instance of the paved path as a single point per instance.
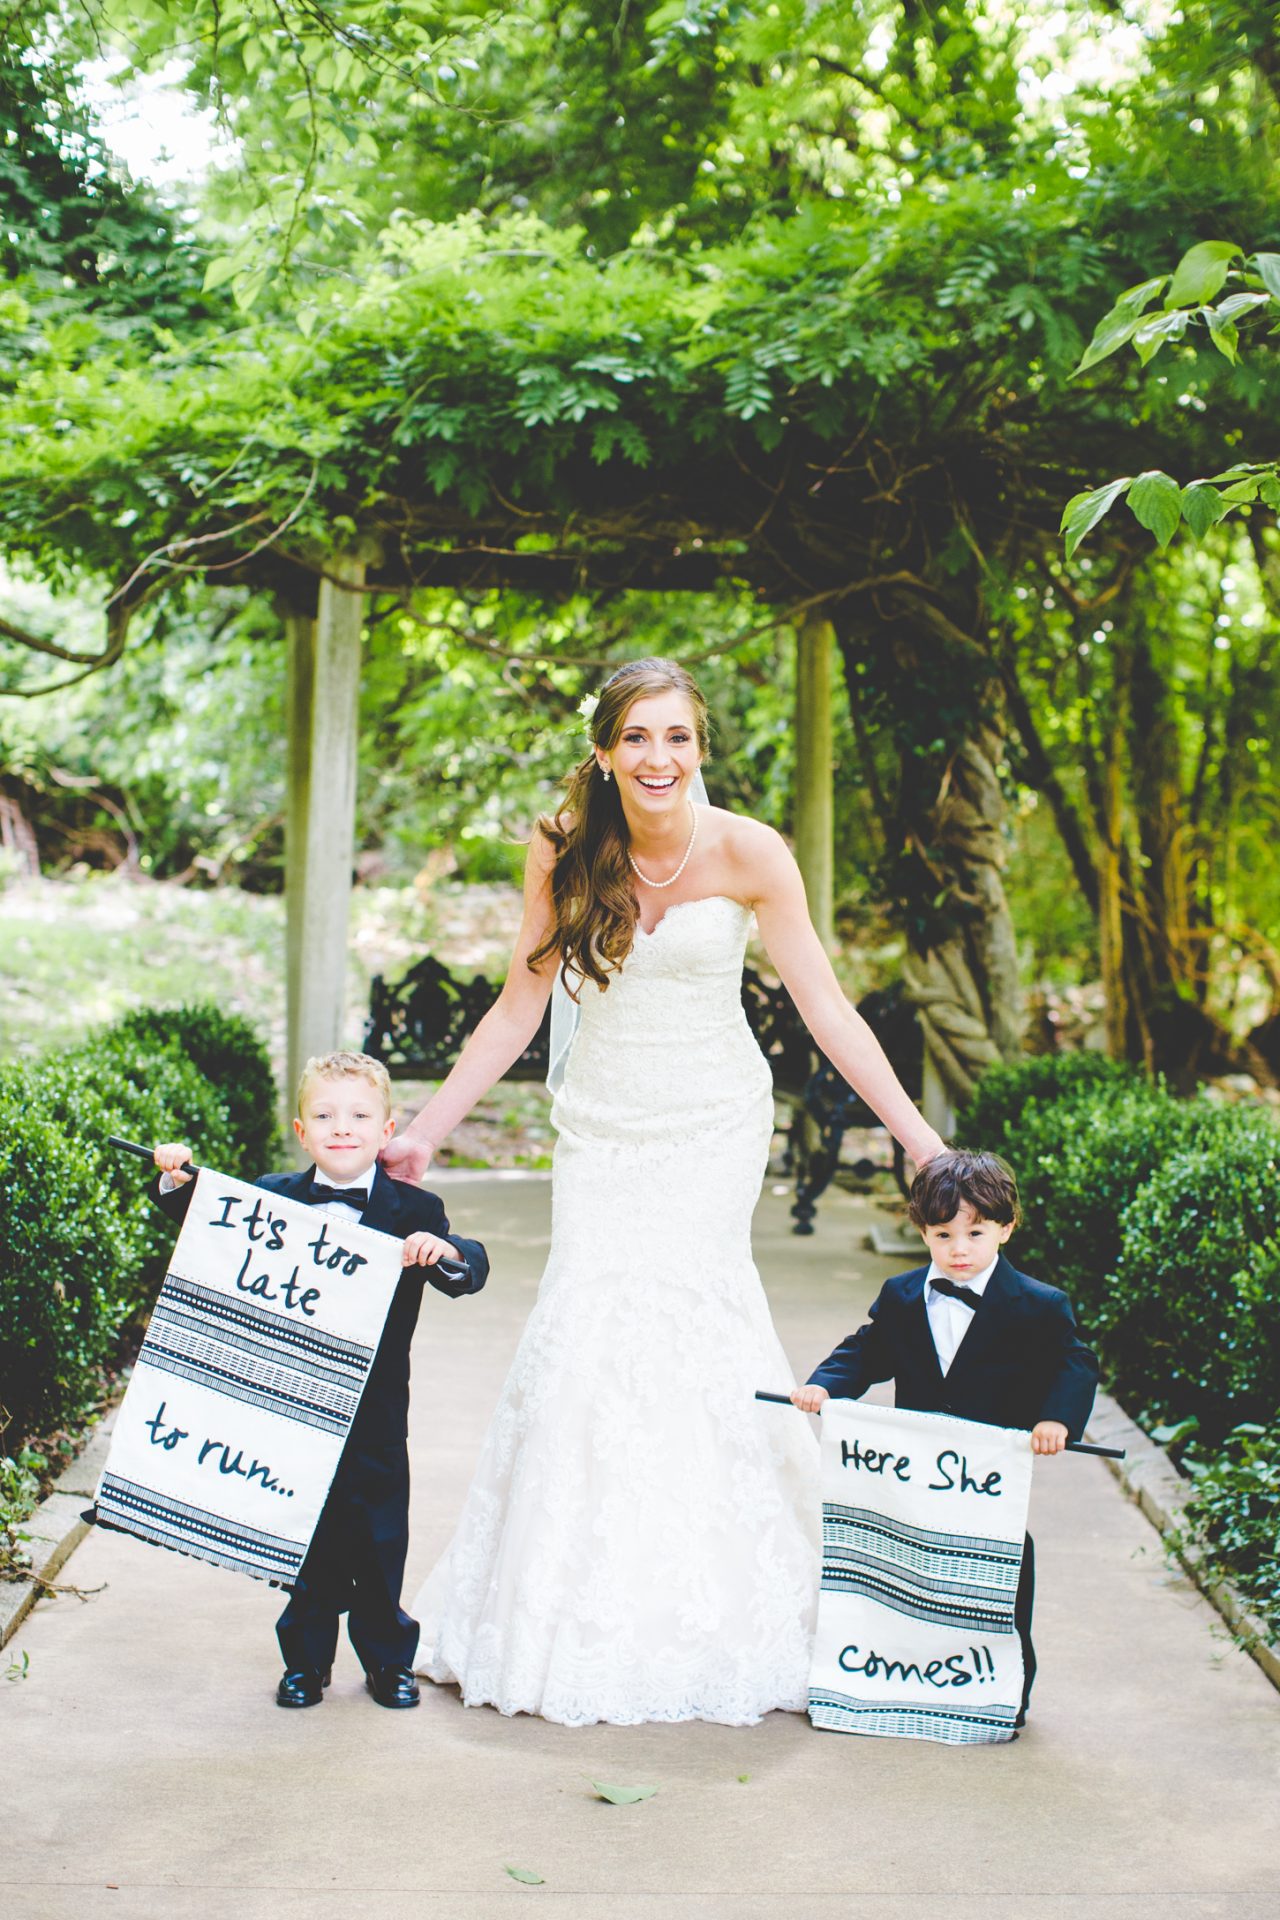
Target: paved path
(147, 1773)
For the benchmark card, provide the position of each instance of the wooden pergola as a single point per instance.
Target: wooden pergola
(324, 618)
(323, 607)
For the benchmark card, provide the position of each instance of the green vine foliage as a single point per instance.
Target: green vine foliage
(1190, 299)
(1231, 1517)
(488, 361)
(793, 292)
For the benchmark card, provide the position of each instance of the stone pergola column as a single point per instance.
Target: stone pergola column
(815, 771)
(323, 720)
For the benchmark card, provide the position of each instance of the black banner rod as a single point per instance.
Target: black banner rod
(146, 1153)
(1072, 1446)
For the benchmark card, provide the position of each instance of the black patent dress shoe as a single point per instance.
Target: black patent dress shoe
(392, 1686)
(301, 1687)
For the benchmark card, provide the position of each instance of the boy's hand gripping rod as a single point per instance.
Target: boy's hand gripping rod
(450, 1269)
(1072, 1446)
(145, 1153)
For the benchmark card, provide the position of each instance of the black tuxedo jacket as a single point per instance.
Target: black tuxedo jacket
(399, 1209)
(1021, 1361)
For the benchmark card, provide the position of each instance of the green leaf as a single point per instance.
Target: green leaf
(743, 1779)
(1223, 334)
(248, 286)
(1151, 334)
(1200, 273)
(1239, 471)
(218, 272)
(1111, 332)
(1135, 299)
(1269, 490)
(1084, 510)
(623, 1796)
(1202, 507)
(1166, 1436)
(1268, 265)
(1237, 304)
(526, 1876)
(1156, 504)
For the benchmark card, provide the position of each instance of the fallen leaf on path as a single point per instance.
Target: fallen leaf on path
(623, 1796)
(526, 1876)
(744, 1777)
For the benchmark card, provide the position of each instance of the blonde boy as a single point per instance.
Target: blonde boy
(355, 1563)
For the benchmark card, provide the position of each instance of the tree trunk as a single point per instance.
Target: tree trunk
(1111, 943)
(966, 987)
(814, 776)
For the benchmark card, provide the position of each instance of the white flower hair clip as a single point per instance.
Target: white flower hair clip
(587, 710)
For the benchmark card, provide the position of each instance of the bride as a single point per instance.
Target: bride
(640, 1539)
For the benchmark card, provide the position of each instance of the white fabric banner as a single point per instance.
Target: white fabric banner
(248, 1380)
(923, 1523)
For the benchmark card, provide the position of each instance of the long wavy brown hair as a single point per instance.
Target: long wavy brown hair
(592, 895)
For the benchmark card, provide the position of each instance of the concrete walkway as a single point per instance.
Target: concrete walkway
(147, 1773)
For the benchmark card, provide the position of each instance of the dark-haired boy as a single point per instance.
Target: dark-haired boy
(969, 1335)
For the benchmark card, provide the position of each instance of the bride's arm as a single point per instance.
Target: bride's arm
(499, 1038)
(772, 882)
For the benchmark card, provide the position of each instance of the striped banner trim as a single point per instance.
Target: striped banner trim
(173, 1523)
(235, 1348)
(959, 1547)
(947, 1580)
(843, 1713)
(312, 1346)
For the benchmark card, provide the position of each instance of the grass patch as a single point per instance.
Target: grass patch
(77, 952)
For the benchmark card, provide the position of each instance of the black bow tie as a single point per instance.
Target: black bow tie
(349, 1196)
(965, 1295)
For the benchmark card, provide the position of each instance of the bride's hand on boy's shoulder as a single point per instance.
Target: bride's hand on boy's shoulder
(406, 1159)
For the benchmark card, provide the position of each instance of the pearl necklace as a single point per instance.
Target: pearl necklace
(693, 834)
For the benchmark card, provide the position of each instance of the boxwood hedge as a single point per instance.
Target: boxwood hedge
(1161, 1218)
(82, 1253)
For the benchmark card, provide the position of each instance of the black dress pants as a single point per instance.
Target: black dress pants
(355, 1565)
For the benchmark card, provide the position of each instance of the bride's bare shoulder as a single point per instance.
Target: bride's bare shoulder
(743, 837)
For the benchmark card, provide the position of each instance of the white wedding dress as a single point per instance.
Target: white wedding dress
(640, 1541)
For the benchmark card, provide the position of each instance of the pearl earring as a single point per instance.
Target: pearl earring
(606, 773)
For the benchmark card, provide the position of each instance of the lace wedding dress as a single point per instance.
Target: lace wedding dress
(640, 1541)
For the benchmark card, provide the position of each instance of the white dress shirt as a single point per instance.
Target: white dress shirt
(950, 1320)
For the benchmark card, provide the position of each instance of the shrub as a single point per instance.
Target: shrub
(226, 1050)
(62, 1254)
(1191, 1318)
(113, 1084)
(1231, 1517)
(1080, 1162)
(1000, 1107)
(83, 1252)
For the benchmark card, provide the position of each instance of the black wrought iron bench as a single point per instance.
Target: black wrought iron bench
(419, 1023)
